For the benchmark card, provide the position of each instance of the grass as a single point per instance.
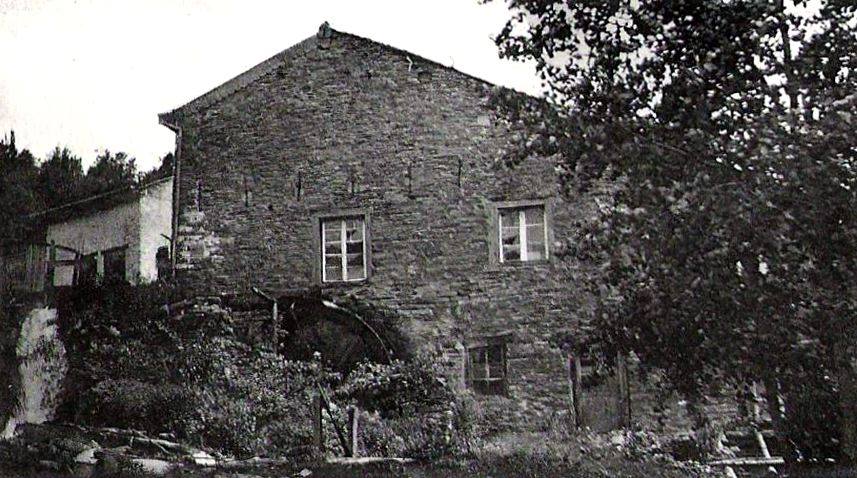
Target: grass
(519, 455)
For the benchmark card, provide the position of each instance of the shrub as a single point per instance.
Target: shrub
(413, 410)
(134, 404)
(401, 387)
(134, 366)
(10, 379)
(248, 402)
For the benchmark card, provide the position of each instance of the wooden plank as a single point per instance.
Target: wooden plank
(353, 425)
(275, 318)
(317, 425)
(748, 461)
(571, 398)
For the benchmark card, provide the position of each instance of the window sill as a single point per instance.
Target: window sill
(493, 388)
(500, 266)
(342, 284)
(524, 263)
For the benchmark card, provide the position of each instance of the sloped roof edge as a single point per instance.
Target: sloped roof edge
(248, 77)
(97, 202)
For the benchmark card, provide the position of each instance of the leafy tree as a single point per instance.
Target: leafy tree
(60, 177)
(728, 253)
(164, 170)
(18, 194)
(110, 171)
(28, 185)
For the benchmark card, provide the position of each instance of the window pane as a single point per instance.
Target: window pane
(333, 249)
(354, 247)
(354, 230)
(356, 272)
(355, 260)
(355, 266)
(536, 242)
(534, 215)
(64, 255)
(63, 275)
(511, 243)
(511, 235)
(333, 269)
(495, 361)
(536, 233)
(511, 253)
(509, 217)
(535, 251)
(332, 229)
(477, 364)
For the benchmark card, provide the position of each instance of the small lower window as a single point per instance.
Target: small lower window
(486, 368)
(343, 255)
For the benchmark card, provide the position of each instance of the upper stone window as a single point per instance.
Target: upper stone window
(343, 255)
(522, 233)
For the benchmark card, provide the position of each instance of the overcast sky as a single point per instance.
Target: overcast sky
(94, 74)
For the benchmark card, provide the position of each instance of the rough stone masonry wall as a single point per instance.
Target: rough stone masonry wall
(358, 125)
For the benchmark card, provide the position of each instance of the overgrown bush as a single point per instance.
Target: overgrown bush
(128, 403)
(249, 402)
(133, 365)
(413, 410)
(10, 379)
(398, 387)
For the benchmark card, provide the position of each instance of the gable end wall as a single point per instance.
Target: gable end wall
(357, 126)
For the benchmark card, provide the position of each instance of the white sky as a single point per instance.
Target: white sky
(94, 74)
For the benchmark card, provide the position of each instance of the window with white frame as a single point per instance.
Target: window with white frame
(523, 233)
(343, 257)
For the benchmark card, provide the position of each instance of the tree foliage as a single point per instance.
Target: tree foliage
(728, 253)
(18, 177)
(29, 185)
(60, 177)
(109, 172)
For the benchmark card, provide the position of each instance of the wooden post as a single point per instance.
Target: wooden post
(624, 397)
(340, 433)
(52, 257)
(99, 267)
(760, 440)
(353, 419)
(576, 392)
(78, 266)
(571, 397)
(757, 408)
(317, 426)
(276, 330)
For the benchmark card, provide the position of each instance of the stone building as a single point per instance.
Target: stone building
(349, 168)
